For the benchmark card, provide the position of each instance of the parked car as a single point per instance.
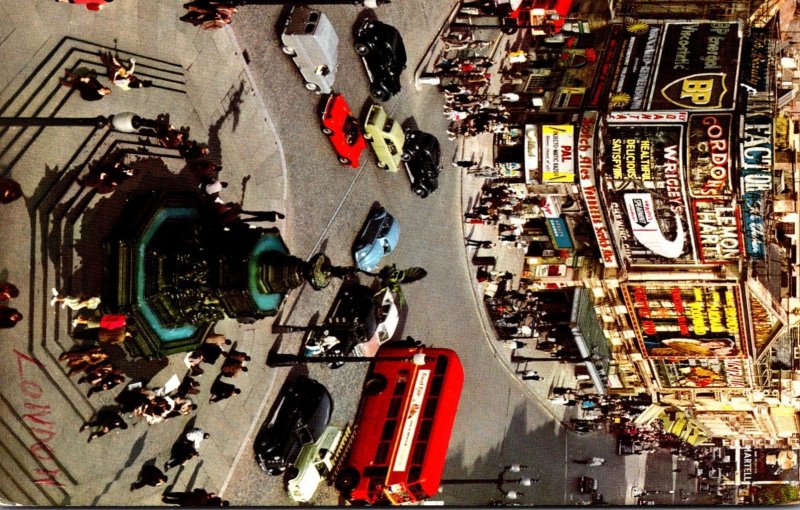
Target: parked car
(309, 38)
(422, 155)
(377, 238)
(313, 464)
(385, 136)
(358, 323)
(384, 55)
(342, 129)
(587, 485)
(301, 413)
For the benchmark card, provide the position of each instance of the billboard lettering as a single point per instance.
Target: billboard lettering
(718, 233)
(586, 162)
(687, 321)
(753, 216)
(710, 155)
(701, 373)
(637, 117)
(756, 146)
(558, 157)
(634, 70)
(690, 71)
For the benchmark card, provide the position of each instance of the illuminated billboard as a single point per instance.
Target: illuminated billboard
(686, 320)
(695, 69)
(647, 200)
(709, 156)
(719, 233)
(701, 373)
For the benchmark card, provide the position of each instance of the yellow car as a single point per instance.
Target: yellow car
(385, 136)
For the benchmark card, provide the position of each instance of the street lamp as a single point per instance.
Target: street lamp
(125, 122)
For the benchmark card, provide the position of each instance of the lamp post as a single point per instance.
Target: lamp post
(500, 481)
(125, 122)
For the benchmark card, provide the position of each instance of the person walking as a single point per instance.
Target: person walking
(182, 452)
(88, 86)
(8, 291)
(478, 244)
(232, 367)
(9, 317)
(221, 390)
(10, 190)
(91, 5)
(106, 421)
(75, 303)
(149, 475)
(108, 382)
(195, 436)
(191, 150)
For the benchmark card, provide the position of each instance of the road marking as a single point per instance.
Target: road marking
(566, 466)
(246, 439)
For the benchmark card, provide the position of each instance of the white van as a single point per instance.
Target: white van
(309, 38)
(313, 464)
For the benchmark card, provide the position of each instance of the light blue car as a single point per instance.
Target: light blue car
(378, 238)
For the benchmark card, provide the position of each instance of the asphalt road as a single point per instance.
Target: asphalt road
(498, 423)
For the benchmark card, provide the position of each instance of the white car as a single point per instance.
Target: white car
(313, 464)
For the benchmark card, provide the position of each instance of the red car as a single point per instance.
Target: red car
(343, 130)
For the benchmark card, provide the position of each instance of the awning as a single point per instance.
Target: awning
(652, 412)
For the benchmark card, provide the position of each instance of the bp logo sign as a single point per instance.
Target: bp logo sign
(703, 90)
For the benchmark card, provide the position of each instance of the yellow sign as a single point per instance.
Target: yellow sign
(558, 153)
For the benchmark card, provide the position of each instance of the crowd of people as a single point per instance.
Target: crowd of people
(119, 72)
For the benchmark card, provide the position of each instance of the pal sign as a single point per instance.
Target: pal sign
(644, 225)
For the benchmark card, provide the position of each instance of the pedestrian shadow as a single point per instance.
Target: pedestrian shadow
(135, 452)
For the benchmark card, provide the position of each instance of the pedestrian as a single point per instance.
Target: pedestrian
(75, 303)
(106, 177)
(531, 375)
(206, 171)
(182, 452)
(8, 291)
(108, 321)
(217, 339)
(196, 436)
(113, 336)
(479, 244)
(262, 215)
(95, 373)
(191, 150)
(208, 352)
(108, 382)
(188, 386)
(149, 475)
(194, 359)
(213, 189)
(106, 421)
(10, 190)
(88, 87)
(221, 390)
(169, 136)
(9, 317)
(225, 213)
(197, 497)
(183, 407)
(232, 367)
(91, 5)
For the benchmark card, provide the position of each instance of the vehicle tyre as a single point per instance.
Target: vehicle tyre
(275, 471)
(289, 51)
(375, 384)
(247, 320)
(421, 192)
(312, 86)
(327, 131)
(335, 352)
(343, 160)
(347, 480)
(382, 165)
(362, 49)
(405, 156)
(379, 93)
(367, 137)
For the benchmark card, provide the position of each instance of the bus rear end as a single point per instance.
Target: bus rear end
(403, 427)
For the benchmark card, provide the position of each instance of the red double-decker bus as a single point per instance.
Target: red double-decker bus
(403, 426)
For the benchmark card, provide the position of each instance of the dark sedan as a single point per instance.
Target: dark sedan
(384, 54)
(422, 155)
(301, 413)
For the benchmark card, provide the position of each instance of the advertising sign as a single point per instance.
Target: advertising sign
(639, 117)
(635, 68)
(695, 68)
(701, 373)
(558, 153)
(647, 198)
(767, 465)
(756, 151)
(591, 195)
(605, 69)
(755, 59)
(559, 233)
(686, 320)
(719, 238)
(709, 151)
(531, 152)
(551, 207)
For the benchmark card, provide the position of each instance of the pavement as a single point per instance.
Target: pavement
(52, 238)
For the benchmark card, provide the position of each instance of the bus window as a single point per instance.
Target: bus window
(394, 407)
(378, 472)
(388, 430)
(414, 473)
(424, 430)
(400, 388)
(441, 366)
(436, 386)
(418, 456)
(430, 409)
(382, 454)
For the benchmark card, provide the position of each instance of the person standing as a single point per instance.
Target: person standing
(9, 317)
(75, 303)
(221, 390)
(10, 190)
(8, 291)
(106, 421)
(149, 475)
